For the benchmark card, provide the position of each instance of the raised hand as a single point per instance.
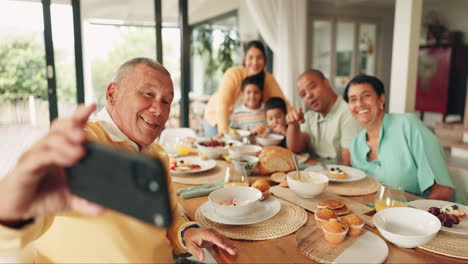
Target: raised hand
(295, 116)
(37, 185)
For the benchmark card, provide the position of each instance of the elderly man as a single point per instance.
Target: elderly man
(327, 130)
(36, 204)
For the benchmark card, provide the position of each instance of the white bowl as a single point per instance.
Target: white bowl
(269, 140)
(247, 197)
(407, 227)
(215, 152)
(242, 133)
(310, 185)
(245, 162)
(251, 150)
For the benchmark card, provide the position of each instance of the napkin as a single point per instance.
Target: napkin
(201, 190)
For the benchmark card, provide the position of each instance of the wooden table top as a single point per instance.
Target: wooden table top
(284, 250)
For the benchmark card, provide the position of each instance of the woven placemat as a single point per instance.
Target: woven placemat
(205, 177)
(288, 220)
(448, 244)
(368, 185)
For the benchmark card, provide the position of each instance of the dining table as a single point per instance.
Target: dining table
(284, 249)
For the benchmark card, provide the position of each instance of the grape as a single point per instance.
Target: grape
(447, 222)
(441, 218)
(434, 210)
(454, 219)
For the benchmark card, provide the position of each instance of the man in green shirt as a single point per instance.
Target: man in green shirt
(327, 129)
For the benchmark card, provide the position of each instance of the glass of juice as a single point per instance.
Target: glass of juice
(388, 197)
(182, 146)
(233, 178)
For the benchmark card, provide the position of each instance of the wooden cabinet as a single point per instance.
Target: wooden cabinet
(442, 79)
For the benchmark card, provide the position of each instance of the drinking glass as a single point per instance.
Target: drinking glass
(233, 178)
(389, 196)
(182, 146)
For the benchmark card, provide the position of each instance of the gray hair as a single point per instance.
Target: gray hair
(128, 67)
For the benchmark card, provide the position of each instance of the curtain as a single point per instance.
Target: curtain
(282, 25)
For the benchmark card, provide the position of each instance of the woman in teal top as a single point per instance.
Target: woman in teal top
(396, 149)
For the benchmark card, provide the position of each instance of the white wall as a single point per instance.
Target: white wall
(206, 9)
(383, 15)
(453, 13)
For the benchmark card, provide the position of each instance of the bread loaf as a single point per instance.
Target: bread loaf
(274, 159)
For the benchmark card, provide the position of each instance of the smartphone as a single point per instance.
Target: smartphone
(131, 183)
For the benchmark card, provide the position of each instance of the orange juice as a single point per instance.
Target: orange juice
(183, 150)
(382, 204)
(231, 184)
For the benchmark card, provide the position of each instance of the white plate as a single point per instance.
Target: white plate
(267, 209)
(353, 173)
(461, 228)
(204, 164)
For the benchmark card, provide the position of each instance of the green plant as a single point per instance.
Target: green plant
(216, 58)
(22, 71)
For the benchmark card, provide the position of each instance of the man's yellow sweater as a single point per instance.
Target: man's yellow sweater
(110, 238)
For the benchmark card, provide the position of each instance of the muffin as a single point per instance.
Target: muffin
(354, 223)
(323, 215)
(334, 231)
(263, 186)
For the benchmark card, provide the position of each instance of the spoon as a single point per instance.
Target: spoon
(297, 168)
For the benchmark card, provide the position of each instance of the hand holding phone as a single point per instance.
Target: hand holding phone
(132, 183)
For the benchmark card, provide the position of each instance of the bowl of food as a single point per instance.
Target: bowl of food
(245, 163)
(213, 148)
(269, 140)
(235, 201)
(310, 183)
(250, 150)
(236, 134)
(407, 227)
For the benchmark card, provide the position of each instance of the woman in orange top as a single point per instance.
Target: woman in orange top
(221, 103)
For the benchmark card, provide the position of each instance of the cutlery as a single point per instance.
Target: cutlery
(296, 165)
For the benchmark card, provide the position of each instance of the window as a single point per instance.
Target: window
(342, 49)
(215, 47)
(23, 83)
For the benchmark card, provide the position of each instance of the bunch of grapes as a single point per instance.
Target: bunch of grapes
(446, 219)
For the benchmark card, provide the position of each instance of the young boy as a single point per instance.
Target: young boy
(252, 111)
(275, 112)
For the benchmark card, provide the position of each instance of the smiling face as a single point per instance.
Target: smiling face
(316, 93)
(140, 103)
(252, 96)
(365, 105)
(275, 117)
(254, 61)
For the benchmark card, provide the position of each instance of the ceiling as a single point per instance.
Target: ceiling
(142, 11)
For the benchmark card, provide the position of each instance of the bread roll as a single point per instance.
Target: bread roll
(274, 159)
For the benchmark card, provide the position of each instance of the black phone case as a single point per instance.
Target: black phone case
(131, 183)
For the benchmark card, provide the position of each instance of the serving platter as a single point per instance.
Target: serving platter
(366, 248)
